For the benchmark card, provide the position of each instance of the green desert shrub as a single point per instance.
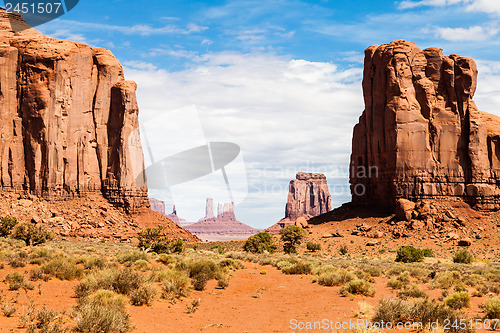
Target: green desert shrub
(463, 257)
(155, 240)
(358, 287)
(313, 247)
(102, 312)
(408, 254)
(6, 226)
(260, 243)
(292, 236)
(458, 300)
(31, 234)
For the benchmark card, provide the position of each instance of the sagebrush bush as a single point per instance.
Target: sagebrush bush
(62, 268)
(358, 287)
(491, 308)
(122, 281)
(298, 268)
(165, 258)
(463, 257)
(144, 295)
(419, 310)
(333, 277)
(414, 292)
(102, 312)
(128, 258)
(176, 284)
(458, 300)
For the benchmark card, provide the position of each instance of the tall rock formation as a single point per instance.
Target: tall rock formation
(69, 120)
(421, 134)
(308, 196)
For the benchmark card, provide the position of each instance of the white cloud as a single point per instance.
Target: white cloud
(471, 34)
(286, 115)
(485, 6)
(433, 3)
(488, 86)
(67, 34)
(137, 29)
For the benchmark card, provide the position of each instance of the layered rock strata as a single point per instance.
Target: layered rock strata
(421, 134)
(69, 120)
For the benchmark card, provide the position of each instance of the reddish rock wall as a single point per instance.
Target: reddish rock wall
(69, 120)
(421, 134)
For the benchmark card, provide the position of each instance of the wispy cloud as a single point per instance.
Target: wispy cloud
(471, 34)
(409, 4)
(137, 29)
(485, 6)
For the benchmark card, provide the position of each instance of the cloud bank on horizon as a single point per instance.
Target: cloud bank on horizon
(281, 79)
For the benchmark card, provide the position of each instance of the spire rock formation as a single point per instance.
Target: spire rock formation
(421, 134)
(223, 227)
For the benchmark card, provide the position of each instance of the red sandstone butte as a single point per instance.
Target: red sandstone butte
(69, 120)
(308, 197)
(422, 131)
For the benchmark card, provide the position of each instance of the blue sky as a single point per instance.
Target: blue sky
(282, 79)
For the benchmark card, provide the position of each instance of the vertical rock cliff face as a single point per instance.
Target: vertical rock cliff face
(308, 196)
(421, 134)
(69, 120)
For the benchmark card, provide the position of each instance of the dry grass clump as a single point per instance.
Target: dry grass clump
(102, 312)
(491, 308)
(358, 287)
(63, 268)
(122, 281)
(331, 276)
(414, 292)
(400, 282)
(458, 300)
(176, 284)
(18, 281)
(298, 268)
(421, 311)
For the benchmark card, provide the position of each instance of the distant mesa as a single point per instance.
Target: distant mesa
(223, 227)
(308, 197)
(421, 135)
